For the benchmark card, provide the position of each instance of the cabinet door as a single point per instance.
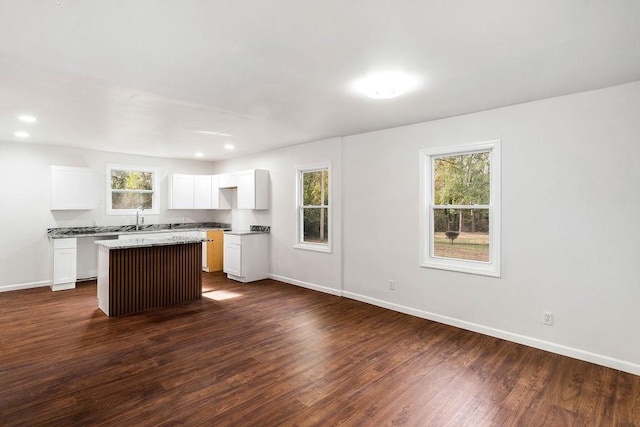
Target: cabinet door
(246, 190)
(233, 259)
(261, 188)
(202, 192)
(227, 180)
(72, 188)
(64, 266)
(181, 191)
(253, 189)
(215, 250)
(215, 192)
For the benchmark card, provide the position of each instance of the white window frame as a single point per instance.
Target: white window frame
(155, 210)
(300, 244)
(427, 258)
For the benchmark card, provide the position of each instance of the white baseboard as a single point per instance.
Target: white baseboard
(563, 350)
(319, 288)
(63, 286)
(19, 286)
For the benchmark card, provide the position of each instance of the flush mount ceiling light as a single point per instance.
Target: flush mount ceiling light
(228, 147)
(385, 85)
(20, 134)
(199, 154)
(27, 118)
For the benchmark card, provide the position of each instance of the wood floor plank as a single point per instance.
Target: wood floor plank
(269, 353)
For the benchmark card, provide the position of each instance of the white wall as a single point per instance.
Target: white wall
(570, 232)
(316, 270)
(25, 214)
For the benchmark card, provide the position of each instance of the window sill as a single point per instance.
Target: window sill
(316, 247)
(482, 270)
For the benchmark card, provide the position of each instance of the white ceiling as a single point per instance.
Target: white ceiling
(143, 76)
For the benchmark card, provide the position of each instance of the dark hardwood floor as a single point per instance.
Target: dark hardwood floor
(273, 354)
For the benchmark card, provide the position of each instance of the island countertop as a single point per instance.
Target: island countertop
(148, 242)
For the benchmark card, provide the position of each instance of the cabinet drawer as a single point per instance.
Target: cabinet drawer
(232, 238)
(64, 243)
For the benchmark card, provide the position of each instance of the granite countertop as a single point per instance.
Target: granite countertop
(254, 229)
(147, 242)
(113, 230)
(244, 232)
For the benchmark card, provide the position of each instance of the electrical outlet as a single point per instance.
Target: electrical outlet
(547, 318)
(392, 285)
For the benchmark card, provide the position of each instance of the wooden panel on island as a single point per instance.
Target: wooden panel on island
(148, 273)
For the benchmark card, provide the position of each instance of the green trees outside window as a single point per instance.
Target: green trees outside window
(314, 206)
(461, 197)
(130, 188)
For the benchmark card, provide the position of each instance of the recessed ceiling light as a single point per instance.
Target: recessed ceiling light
(21, 134)
(210, 132)
(199, 154)
(385, 85)
(228, 147)
(27, 118)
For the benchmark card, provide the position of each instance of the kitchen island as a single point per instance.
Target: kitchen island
(142, 273)
(67, 242)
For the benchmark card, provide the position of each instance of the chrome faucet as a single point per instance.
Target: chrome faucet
(139, 211)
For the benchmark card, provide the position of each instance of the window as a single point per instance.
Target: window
(314, 213)
(130, 188)
(460, 215)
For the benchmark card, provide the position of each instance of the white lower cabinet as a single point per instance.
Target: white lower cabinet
(246, 256)
(64, 264)
(232, 257)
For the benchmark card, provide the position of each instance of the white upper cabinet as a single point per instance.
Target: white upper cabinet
(202, 192)
(190, 191)
(216, 191)
(227, 180)
(72, 188)
(181, 194)
(253, 189)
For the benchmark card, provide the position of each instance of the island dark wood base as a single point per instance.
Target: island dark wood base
(150, 277)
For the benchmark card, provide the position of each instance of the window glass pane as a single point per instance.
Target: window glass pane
(315, 225)
(461, 179)
(461, 234)
(131, 200)
(325, 187)
(313, 190)
(131, 180)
